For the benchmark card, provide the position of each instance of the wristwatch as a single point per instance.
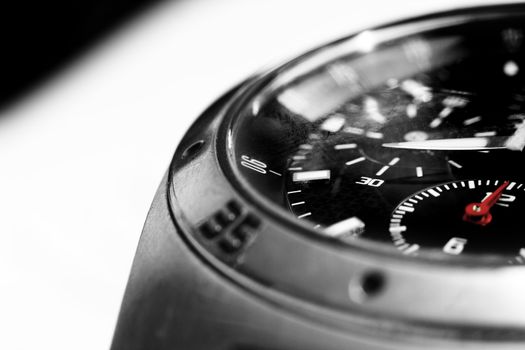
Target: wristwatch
(368, 194)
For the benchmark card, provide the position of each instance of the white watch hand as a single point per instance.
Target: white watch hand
(515, 142)
(469, 143)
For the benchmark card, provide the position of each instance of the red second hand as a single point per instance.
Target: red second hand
(479, 213)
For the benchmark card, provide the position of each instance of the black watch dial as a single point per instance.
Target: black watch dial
(408, 138)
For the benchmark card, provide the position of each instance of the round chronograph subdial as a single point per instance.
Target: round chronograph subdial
(445, 212)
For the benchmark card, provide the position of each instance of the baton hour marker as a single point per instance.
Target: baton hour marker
(313, 175)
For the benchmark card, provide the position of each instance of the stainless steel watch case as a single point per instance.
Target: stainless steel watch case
(218, 267)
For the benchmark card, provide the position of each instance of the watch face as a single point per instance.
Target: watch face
(407, 138)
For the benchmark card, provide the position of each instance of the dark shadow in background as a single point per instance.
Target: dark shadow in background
(39, 36)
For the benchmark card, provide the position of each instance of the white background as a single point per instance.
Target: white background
(82, 156)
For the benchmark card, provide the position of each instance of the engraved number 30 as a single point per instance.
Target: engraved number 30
(368, 181)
